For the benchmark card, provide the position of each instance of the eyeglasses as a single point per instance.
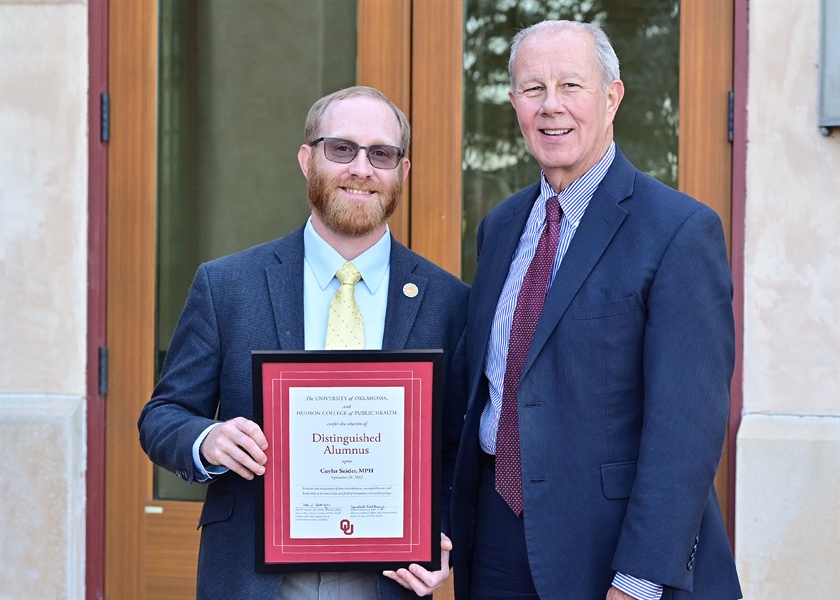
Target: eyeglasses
(344, 151)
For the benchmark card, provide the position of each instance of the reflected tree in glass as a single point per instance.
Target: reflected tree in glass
(496, 161)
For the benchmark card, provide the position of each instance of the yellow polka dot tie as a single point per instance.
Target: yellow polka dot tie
(345, 329)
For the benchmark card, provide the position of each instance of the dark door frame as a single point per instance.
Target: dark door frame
(96, 381)
(740, 57)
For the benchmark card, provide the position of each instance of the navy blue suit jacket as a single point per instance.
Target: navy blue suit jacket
(253, 300)
(623, 399)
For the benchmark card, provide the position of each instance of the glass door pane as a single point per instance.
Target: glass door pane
(237, 78)
(496, 163)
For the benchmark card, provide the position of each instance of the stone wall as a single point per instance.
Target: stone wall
(43, 297)
(788, 460)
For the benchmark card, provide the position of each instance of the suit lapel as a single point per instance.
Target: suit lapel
(285, 287)
(599, 224)
(497, 250)
(402, 309)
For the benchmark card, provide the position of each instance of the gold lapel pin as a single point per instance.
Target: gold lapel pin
(410, 290)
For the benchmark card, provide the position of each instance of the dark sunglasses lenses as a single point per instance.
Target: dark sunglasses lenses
(344, 151)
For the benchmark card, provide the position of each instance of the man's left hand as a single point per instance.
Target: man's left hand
(617, 594)
(420, 580)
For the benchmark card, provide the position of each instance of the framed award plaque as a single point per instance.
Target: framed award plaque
(353, 472)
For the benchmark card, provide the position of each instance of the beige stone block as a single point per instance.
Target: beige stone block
(792, 249)
(43, 2)
(42, 524)
(43, 198)
(787, 507)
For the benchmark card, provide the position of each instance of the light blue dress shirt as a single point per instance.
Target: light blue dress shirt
(321, 261)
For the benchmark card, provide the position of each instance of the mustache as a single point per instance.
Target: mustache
(355, 184)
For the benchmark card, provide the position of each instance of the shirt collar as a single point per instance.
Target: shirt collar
(575, 198)
(324, 260)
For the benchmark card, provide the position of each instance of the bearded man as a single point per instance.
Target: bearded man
(277, 296)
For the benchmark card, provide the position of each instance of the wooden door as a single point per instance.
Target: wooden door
(706, 81)
(151, 545)
(412, 50)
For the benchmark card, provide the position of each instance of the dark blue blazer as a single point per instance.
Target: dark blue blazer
(253, 300)
(623, 400)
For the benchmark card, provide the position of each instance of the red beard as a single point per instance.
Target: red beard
(345, 216)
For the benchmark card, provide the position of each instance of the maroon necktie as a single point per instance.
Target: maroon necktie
(529, 305)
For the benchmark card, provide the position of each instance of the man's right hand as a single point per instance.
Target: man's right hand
(239, 445)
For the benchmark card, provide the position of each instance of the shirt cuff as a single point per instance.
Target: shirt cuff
(204, 475)
(638, 588)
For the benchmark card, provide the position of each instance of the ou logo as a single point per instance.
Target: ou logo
(346, 526)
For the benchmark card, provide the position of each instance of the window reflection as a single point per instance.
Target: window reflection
(237, 79)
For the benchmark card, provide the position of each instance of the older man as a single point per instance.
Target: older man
(600, 346)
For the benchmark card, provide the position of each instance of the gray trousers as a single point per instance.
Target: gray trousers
(354, 585)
